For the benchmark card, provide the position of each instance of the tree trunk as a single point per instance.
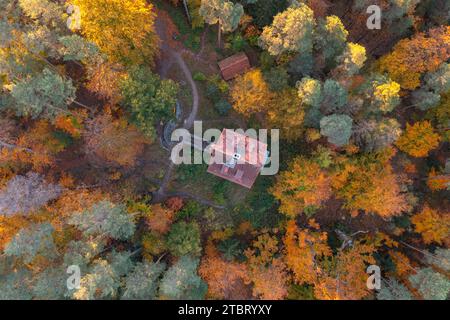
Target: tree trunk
(187, 11)
(13, 146)
(219, 36)
(83, 105)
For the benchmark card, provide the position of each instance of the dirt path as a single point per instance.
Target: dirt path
(169, 56)
(189, 121)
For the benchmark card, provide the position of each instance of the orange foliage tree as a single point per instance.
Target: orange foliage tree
(175, 203)
(304, 184)
(104, 81)
(370, 184)
(438, 181)
(304, 250)
(402, 264)
(266, 272)
(160, 218)
(433, 225)
(346, 279)
(410, 58)
(71, 124)
(418, 140)
(224, 278)
(114, 140)
(38, 146)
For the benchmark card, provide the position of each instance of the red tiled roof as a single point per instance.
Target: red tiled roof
(234, 65)
(250, 152)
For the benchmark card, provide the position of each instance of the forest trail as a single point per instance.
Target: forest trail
(171, 54)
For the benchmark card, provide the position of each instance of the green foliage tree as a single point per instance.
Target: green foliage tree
(101, 282)
(334, 97)
(80, 252)
(142, 282)
(181, 281)
(435, 84)
(331, 38)
(13, 285)
(31, 242)
(392, 289)
(76, 48)
(50, 284)
(148, 98)
(263, 11)
(184, 238)
(337, 128)
(277, 78)
(430, 284)
(105, 218)
(440, 258)
(225, 13)
(44, 95)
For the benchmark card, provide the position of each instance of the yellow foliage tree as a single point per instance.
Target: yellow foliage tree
(434, 226)
(251, 94)
(288, 115)
(418, 140)
(303, 185)
(123, 29)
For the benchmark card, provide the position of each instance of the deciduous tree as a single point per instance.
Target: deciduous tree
(305, 184)
(433, 225)
(114, 141)
(288, 115)
(148, 98)
(418, 139)
(305, 250)
(410, 58)
(223, 277)
(124, 30)
(250, 93)
(291, 31)
(362, 185)
(24, 194)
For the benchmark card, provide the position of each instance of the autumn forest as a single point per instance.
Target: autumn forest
(92, 206)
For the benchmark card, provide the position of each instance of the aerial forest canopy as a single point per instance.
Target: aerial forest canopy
(91, 90)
